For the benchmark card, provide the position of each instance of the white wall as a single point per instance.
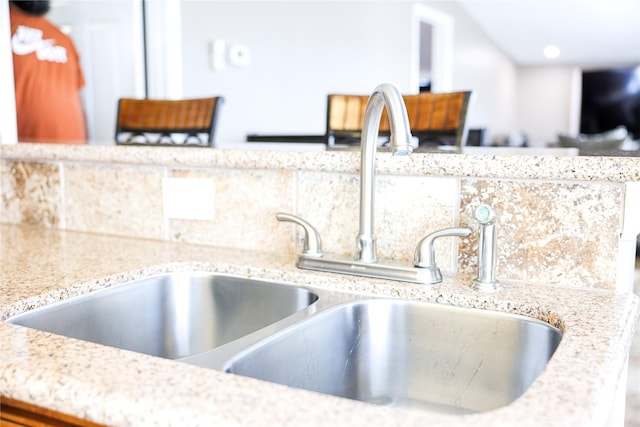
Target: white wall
(299, 53)
(544, 100)
(479, 65)
(302, 50)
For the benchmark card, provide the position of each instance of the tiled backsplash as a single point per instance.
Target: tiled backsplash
(563, 232)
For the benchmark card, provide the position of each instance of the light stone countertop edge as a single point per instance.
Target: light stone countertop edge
(496, 166)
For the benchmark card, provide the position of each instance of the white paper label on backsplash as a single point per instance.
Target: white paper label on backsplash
(188, 198)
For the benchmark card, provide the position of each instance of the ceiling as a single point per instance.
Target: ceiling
(588, 32)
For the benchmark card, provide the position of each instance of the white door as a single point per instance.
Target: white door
(108, 36)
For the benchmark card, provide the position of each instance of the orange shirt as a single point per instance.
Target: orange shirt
(48, 79)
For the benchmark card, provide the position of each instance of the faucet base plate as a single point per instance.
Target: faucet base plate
(403, 273)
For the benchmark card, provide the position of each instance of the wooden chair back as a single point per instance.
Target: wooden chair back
(186, 122)
(434, 118)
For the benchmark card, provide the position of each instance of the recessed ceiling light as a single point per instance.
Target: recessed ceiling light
(552, 51)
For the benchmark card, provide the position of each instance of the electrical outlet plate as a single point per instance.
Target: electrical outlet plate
(188, 198)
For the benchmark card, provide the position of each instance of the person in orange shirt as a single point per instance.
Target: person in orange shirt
(48, 77)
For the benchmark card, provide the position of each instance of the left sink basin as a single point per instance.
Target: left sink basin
(172, 315)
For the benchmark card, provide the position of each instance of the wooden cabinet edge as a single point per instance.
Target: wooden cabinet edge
(17, 413)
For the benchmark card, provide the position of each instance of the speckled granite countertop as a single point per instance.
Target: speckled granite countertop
(585, 168)
(122, 388)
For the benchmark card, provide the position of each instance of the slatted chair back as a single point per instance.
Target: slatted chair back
(157, 122)
(434, 118)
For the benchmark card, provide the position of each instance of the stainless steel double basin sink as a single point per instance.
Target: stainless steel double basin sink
(383, 351)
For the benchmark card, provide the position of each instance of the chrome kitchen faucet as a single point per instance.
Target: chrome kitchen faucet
(424, 270)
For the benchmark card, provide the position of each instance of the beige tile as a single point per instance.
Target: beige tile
(330, 203)
(550, 233)
(406, 209)
(122, 200)
(246, 202)
(30, 193)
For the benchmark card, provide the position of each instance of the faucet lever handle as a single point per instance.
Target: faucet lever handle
(312, 242)
(425, 255)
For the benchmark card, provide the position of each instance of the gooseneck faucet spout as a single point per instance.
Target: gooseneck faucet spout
(384, 95)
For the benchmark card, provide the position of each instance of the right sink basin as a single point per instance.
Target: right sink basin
(407, 354)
